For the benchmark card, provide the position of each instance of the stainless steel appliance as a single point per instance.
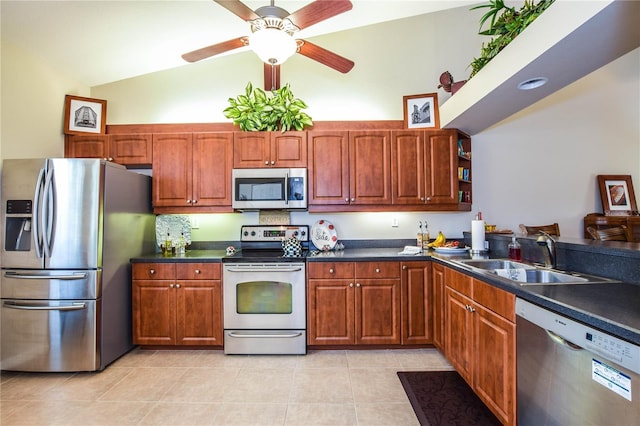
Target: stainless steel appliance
(264, 293)
(255, 189)
(572, 374)
(69, 228)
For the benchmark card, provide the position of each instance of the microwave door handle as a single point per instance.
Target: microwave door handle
(37, 214)
(48, 212)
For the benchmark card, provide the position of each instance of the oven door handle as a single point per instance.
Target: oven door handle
(247, 335)
(264, 269)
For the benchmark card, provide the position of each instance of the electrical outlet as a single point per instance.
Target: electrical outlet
(394, 222)
(195, 223)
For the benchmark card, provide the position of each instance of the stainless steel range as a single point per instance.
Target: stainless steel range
(264, 293)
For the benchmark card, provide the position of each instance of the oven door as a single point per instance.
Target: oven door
(268, 296)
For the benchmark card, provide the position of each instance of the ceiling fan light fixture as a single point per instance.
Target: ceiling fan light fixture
(273, 46)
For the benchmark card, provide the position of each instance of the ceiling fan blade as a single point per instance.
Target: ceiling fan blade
(318, 11)
(324, 56)
(239, 9)
(271, 77)
(215, 49)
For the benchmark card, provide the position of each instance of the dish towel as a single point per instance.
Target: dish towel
(517, 274)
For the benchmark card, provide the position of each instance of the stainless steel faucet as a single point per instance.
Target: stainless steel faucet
(548, 244)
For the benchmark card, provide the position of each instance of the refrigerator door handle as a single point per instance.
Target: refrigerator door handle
(74, 306)
(37, 206)
(47, 217)
(29, 276)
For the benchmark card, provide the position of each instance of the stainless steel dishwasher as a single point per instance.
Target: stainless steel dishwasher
(572, 374)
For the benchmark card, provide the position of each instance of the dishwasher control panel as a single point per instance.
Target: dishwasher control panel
(570, 332)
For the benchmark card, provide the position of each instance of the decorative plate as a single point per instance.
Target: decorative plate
(451, 250)
(323, 235)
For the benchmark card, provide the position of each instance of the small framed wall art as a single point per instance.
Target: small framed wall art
(618, 198)
(421, 111)
(84, 115)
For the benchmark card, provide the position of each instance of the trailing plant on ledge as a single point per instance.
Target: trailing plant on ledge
(255, 110)
(506, 23)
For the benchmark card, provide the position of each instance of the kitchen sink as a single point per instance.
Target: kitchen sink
(493, 264)
(545, 276)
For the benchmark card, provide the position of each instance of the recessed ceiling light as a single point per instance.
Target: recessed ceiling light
(533, 83)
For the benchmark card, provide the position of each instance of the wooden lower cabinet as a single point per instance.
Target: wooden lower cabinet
(416, 296)
(351, 303)
(480, 340)
(437, 306)
(177, 304)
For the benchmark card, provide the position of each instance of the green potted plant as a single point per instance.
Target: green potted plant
(506, 23)
(255, 110)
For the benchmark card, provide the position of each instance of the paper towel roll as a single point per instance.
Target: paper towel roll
(477, 235)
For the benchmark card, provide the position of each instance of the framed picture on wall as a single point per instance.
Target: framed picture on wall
(421, 111)
(618, 198)
(84, 115)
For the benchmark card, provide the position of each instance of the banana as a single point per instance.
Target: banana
(439, 241)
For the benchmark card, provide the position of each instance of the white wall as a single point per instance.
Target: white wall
(537, 166)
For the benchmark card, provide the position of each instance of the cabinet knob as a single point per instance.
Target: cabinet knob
(177, 285)
(428, 198)
(421, 198)
(357, 284)
(353, 199)
(404, 267)
(188, 201)
(273, 162)
(266, 163)
(152, 271)
(197, 271)
(195, 201)
(350, 284)
(171, 286)
(377, 270)
(331, 271)
(346, 200)
(110, 158)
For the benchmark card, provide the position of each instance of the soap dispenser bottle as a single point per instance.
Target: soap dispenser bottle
(515, 251)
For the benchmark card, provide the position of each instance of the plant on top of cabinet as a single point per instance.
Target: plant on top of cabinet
(506, 23)
(256, 111)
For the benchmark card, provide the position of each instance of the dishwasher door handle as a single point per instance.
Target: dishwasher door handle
(564, 342)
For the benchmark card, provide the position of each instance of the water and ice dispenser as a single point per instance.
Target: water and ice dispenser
(19, 215)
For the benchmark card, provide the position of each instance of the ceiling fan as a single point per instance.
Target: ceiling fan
(272, 36)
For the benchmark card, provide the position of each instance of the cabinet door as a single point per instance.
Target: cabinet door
(495, 363)
(407, 167)
(251, 150)
(459, 333)
(172, 153)
(154, 320)
(211, 172)
(377, 312)
(89, 146)
(330, 312)
(416, 303)
(441, 173)
(437, 278)
(328, 167)
(369, 167)
(198, 312)
(131, 149)
(288, 149)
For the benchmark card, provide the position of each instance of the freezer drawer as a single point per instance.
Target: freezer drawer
(49, 335)
(50, 284)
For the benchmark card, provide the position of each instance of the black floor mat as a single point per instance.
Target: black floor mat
(442, 398)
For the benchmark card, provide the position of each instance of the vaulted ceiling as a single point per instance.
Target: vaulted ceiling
(98, 42)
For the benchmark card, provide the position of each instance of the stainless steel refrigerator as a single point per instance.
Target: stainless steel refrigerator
(69, 229)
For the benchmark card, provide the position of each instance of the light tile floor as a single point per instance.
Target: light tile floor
(333, 387)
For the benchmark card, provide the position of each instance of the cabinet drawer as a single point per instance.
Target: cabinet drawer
(331, 270)
(378, 270)
(461, 282)
(499, 301)
(153, 271)
(198, 271)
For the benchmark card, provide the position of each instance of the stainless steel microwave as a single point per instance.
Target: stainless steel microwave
(282, 189)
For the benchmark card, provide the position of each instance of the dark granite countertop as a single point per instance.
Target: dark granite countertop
(203, 256)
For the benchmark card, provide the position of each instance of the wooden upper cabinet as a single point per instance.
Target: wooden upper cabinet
(370, 167)
(424, 167)
(328, 167)
(192, 171)
(127, 149)
(269, 149)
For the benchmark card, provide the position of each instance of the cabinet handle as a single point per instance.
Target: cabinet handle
(197, 271)
(331, 271)
(152, 271)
